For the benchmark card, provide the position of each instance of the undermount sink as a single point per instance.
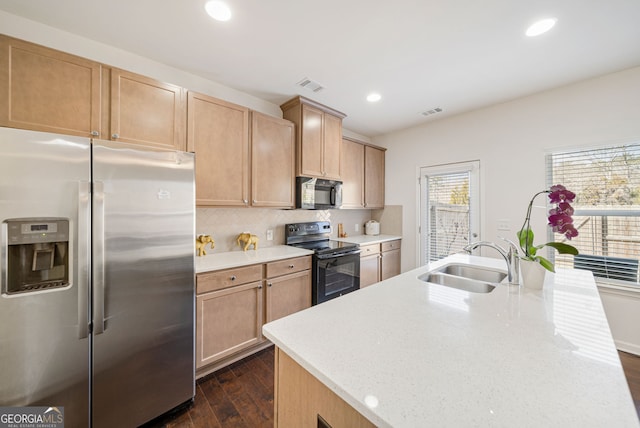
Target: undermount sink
(465, 277)
(473, 272)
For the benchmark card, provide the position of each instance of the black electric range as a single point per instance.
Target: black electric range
(336, 264)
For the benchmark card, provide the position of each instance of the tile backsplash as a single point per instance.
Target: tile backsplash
(224, 224)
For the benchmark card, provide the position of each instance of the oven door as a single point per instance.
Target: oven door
(335, 275)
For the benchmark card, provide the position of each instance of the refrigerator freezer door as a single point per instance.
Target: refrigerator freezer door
(143, 300)
(44, 348)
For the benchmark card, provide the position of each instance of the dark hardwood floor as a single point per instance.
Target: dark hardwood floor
(241, 395)
(631, 366)
(238, 396)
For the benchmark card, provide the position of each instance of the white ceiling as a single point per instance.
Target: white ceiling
(458, 55)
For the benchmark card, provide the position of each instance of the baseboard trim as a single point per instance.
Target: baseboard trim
(631, 348)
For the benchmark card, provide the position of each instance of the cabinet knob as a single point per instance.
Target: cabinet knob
(115, 136)
(269, 284)
(233, 278)
(259, 286)
(245, 201)
(95, 134)
(291, 266)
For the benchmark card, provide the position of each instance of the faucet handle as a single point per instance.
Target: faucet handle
(512, 244)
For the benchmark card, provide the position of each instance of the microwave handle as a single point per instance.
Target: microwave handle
(332, 196)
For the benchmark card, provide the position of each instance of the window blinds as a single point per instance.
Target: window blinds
(606, 182)
(449, 212)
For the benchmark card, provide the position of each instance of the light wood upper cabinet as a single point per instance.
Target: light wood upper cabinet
(146, 111)
(46, 90)
(272, 161)
(363, 175)
(318, 137)
(332, 146)
(373, 177)
(352, 174)
(218, 132)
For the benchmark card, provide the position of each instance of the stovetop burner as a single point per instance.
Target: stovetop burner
(315, 236)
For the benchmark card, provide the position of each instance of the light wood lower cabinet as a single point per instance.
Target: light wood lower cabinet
(233, 304)
(389, 259)
(287, 294)
(228, 321)
(379, 262)
(369, 264)
(302, 401)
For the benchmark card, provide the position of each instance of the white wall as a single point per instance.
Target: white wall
(511, 140)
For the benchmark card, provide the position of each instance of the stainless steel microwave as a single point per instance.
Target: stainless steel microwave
(318, 194)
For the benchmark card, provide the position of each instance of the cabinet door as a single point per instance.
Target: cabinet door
(273, 161)
(46, 90)
(145, 111)
(390, 264)
(218, 133)
(374, 177)
(369, 270)
(288, 294)
(332, 147)
(311, 150)
(352, 173)
(227, 321)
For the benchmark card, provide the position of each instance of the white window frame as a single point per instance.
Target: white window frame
(593, 212)
(471, 167)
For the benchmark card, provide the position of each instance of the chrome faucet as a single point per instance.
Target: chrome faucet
(510, 256)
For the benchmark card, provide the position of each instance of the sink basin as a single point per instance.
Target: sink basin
(473, 272)
(458, 282)
(475, 279)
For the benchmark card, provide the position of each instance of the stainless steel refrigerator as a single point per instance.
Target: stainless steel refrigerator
(97, 278)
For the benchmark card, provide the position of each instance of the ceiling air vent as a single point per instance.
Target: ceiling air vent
(432, 111)
(311, 85)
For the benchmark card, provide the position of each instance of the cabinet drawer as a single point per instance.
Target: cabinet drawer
(283, 267)
(367, 250)
(390, 245)
(226, 278)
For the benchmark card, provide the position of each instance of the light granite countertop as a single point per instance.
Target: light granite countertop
(368, 239)
(231, 259)
(406, 353)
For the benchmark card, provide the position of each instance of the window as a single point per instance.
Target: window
(607, 210)
(449, 209)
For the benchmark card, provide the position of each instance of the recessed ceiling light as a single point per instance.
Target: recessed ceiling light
(540, 27)
(374, 97)
(218, 10)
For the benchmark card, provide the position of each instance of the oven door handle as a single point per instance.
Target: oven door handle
(335, 256)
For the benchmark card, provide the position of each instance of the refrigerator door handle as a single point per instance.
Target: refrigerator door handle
(98, 258)
(84, 224)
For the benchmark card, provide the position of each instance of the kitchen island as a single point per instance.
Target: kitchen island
(405, 353)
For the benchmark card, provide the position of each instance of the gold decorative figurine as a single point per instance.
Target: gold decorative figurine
(201, 243)
(247, 240)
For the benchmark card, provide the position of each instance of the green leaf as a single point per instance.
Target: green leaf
(563, 248)
(545, 263)
(525, 235)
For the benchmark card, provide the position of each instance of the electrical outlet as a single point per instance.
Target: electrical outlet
(357, 227)
(504, 224)
(269, 235)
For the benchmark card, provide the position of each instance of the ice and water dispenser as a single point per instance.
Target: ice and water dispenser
(37, 255)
